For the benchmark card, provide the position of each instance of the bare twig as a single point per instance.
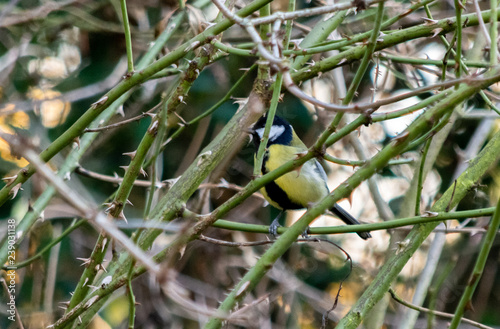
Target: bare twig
(438, 313)
(124, 122)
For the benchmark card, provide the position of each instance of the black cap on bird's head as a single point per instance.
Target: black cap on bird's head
(281, 131)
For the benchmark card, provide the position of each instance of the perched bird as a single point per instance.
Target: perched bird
(297, 189)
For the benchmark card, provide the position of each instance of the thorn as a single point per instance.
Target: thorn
(436, 32)
(428, 21)
(104, 241)
(203, 156)
(16, 189)
(101, 101)
(86, 261)
(76, 142)
(94, 288)
(109, 206)
(124, 167)
(122, 216)
(130, 154)
(130, 203)
(67, 176)
(9, 179)
(143, 172)
(428, 214)
(100, 267)
(182, 250)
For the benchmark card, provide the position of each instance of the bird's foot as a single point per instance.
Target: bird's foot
(305, 234)
(273, 228)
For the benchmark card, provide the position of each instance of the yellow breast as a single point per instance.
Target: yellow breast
(303, 186)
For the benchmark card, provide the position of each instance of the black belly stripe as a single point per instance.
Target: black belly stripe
(275, 193)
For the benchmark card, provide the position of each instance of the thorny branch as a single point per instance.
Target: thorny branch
(85, 207)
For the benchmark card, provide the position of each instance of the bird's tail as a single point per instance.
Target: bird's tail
(348, 219)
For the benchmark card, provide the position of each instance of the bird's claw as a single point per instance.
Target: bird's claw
(305, 234)
(273, 228)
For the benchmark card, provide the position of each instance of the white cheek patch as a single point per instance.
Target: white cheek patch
(260, 132)
(276, 132)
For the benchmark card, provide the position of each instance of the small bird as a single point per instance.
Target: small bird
(297, 189)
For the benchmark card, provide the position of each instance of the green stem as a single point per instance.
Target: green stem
(458, 31)
(128, 38)
(363, 66)
(133, 170)
(493, 33)
(488, 240)
(421, 176)
(90, 272)
(264, 71)
(422, 61)
(370, 48)
(387, 225)
(155, 159)
(259, 157)
(131, 297)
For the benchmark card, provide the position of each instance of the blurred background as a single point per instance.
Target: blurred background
(57, 58)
